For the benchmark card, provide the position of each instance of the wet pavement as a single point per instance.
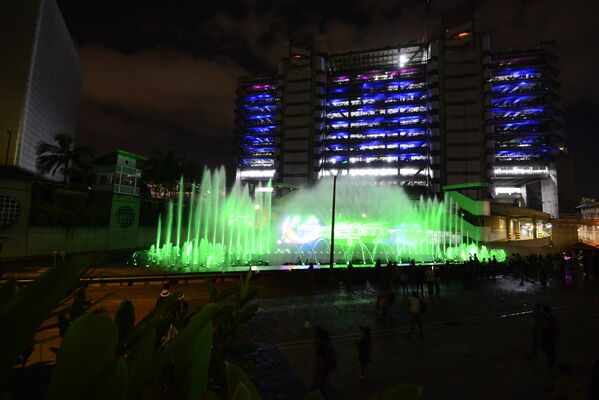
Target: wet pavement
(474, 344)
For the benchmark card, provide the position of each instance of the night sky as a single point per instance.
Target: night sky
(162, 74)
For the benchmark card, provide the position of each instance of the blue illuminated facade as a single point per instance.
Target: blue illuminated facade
(523, 123)
(376, 120)
(449, 112)
(258, 129)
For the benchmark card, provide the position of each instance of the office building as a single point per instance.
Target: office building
(40, 79)
(445, 112)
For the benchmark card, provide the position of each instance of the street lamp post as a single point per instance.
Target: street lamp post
(332, 250)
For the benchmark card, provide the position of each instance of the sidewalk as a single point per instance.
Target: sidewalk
(474, 347)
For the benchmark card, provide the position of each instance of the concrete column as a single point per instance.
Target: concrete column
(534, 228)
(508, 228)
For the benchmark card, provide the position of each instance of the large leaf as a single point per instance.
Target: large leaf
(250, 294)
(245, 285)
(192, 363)
(186, 336)
(315, 395)
(111, 384)
(79, 304)
(403, 391)
(241, 393)
(225, 294)
(124, 318)
(139, 361)
(235, 376)
(87, 350)
(28, 309)
(209, 396)
(248, 313)
(151, 320)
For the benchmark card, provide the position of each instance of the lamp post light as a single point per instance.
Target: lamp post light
(332, 250)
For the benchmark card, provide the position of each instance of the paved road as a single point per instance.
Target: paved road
(474, 344)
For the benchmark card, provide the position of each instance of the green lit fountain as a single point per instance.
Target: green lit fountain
(210, 227)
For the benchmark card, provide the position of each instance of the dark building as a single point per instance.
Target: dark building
(444, 112)
(40, 79)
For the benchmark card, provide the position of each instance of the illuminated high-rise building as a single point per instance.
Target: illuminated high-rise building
(40, 79)
(444, 113)
(523, 121)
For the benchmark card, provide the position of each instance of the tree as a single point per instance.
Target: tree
(61, 156)
(164, 169)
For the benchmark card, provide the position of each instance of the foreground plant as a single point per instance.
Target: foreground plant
(105, 358)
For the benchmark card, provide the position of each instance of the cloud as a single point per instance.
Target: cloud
(154, 96)
(184, 98)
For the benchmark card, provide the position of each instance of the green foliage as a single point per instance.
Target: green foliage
(315, 395)
(236, 378)
(241, 393)
(192, 363)
(60, 156)
(26, 310)
(124, 319)
(139, 362)
(403, 391)
(112, 383)
(89, 365)
(87, 351)
(236, 312)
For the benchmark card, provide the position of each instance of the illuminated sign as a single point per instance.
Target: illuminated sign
(357, 231)
(297, 231)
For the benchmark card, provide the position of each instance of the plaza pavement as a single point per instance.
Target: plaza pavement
(474, 344)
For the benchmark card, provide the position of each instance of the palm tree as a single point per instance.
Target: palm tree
(61, 156)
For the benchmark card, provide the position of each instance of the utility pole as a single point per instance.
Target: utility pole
(332, 250)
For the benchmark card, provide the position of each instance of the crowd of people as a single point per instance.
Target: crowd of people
(419, 281)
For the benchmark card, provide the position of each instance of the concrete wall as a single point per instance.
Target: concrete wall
(43, 241)
(525, 247)
(564, 235)
(22, 240)
(16, 234)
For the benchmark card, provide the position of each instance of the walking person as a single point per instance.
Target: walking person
(377, 271)
(384, 300)
(350, 274)
(311, 277)
(438, 282)
(164, 293)
(430, 280)
(364, 346)
(537, 319)
(326, 360)
(419, 279)
(416, 308)
(403, 281)
(548, 335)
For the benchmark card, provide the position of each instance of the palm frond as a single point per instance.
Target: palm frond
(43, 148)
